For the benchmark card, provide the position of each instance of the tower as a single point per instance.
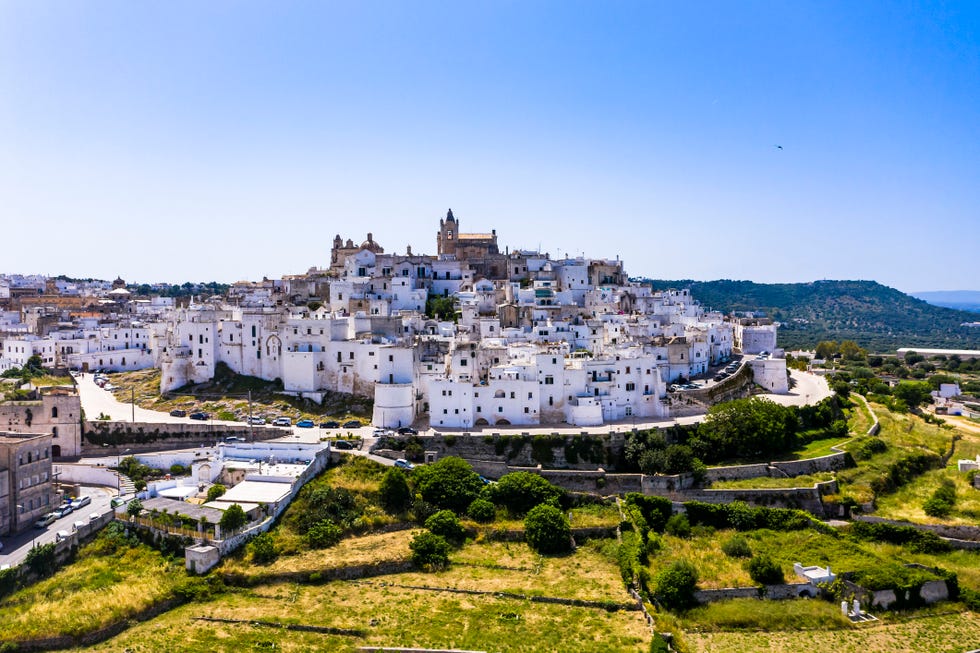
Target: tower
(448, 234)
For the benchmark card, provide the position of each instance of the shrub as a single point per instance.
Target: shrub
(764, 570)
(918, 541)
(449, 483)
(655, 510)
(675, 586)
(233, 519)
(521, 491)
(679, 526)
(736, 547)
(263, 549)
(482, 511)
(867, 447)
(216, 491)
(177, 469)
(446, 524)
(429, 551)
(393, 494)
(941, 503)
(41, 559)
(547, 530)
(323, 534)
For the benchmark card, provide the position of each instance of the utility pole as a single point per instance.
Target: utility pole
(132, 401)
(251, 434)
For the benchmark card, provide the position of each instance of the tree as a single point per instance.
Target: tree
(323, 534)
(429, 551)
(233, 519)
(914, 393)
(394, 494)
(547, 529)
(134, 508)
(449, 483)
(826, 349)
(675, 586)
(851, 351)
(521, 491)
(765, 571)
(216, 491)
(745, 428)
(263, 549)
(446, 524)
(482, 511)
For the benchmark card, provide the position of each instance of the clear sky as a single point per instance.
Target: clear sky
(176, 141)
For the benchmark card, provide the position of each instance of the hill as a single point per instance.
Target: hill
(875, 316)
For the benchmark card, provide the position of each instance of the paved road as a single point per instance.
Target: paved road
(16, 547)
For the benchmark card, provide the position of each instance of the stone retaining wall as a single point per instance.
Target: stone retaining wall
(951, 531)
(152, 436)
(774, 592)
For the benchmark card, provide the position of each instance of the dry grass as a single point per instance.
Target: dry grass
(94, 591)
(389, 615)
(363, 550)
(715, 569)
(775, 481)
(949, 633)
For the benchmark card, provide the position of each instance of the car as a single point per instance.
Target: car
(80, 502)
(62, 535)
(257, 421)
(47, 520)
(234, 438)
(108, 386)
(380, 433)
(718, 377)
(305, 424)
(282, 421)
(63, 509)
(199, 416)
(407, 430)
(94, 517)
(342, 444)
(352, 424)
(404, 464)
(177, 412)
(330, 425)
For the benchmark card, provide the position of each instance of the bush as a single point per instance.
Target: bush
(429, 551)
(521, 491)
(547, 530)
(323, 534)
(41, 559)
(263, 549)
(216, 491)
(679, 526)
(446, 524)
(655, 510)
(449, 483)
(942, 501)
(233, 519)
(918, 541)
(482, 511)
(393, 494)
(675, 586)
(736, 547)
(177, 470)
(765, 571)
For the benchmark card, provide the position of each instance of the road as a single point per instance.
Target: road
(16, 547)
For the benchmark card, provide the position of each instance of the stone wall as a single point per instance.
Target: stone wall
(485, 447)
(151, 436)
(736, 472)
(774, 592)
(804, 498)
(829, 463)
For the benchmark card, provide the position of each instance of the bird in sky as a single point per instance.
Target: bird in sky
(778, 147)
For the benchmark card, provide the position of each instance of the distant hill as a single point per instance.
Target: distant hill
(875, 316)
(963, 300)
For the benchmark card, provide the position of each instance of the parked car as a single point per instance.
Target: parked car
(282, 421)
(234, 438)
(305, 424)
(47, 520)
(257, 421)
(330, 425)
(404, 464)
(93, 517)
(342, 444)
(80, 502)
(62, 535)
(177, 412)
(380, 433)
(63, 509)
(352, 424)
(407, 430)
(199, 416)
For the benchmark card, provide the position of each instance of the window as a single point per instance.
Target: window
(54, 411)
(462, 362)
(549, 380)
(530, 395)
(511, 395)
(630, 387)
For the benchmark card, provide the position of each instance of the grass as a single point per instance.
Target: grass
(859, 419)
(755, 614)
(595, 515)
(806, 480)
(941, 633)
(99, 588)
(229, 395)
(387, 616)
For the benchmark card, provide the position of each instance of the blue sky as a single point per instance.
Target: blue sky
(231, 140)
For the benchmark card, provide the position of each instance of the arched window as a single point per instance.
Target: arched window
(54, 411)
